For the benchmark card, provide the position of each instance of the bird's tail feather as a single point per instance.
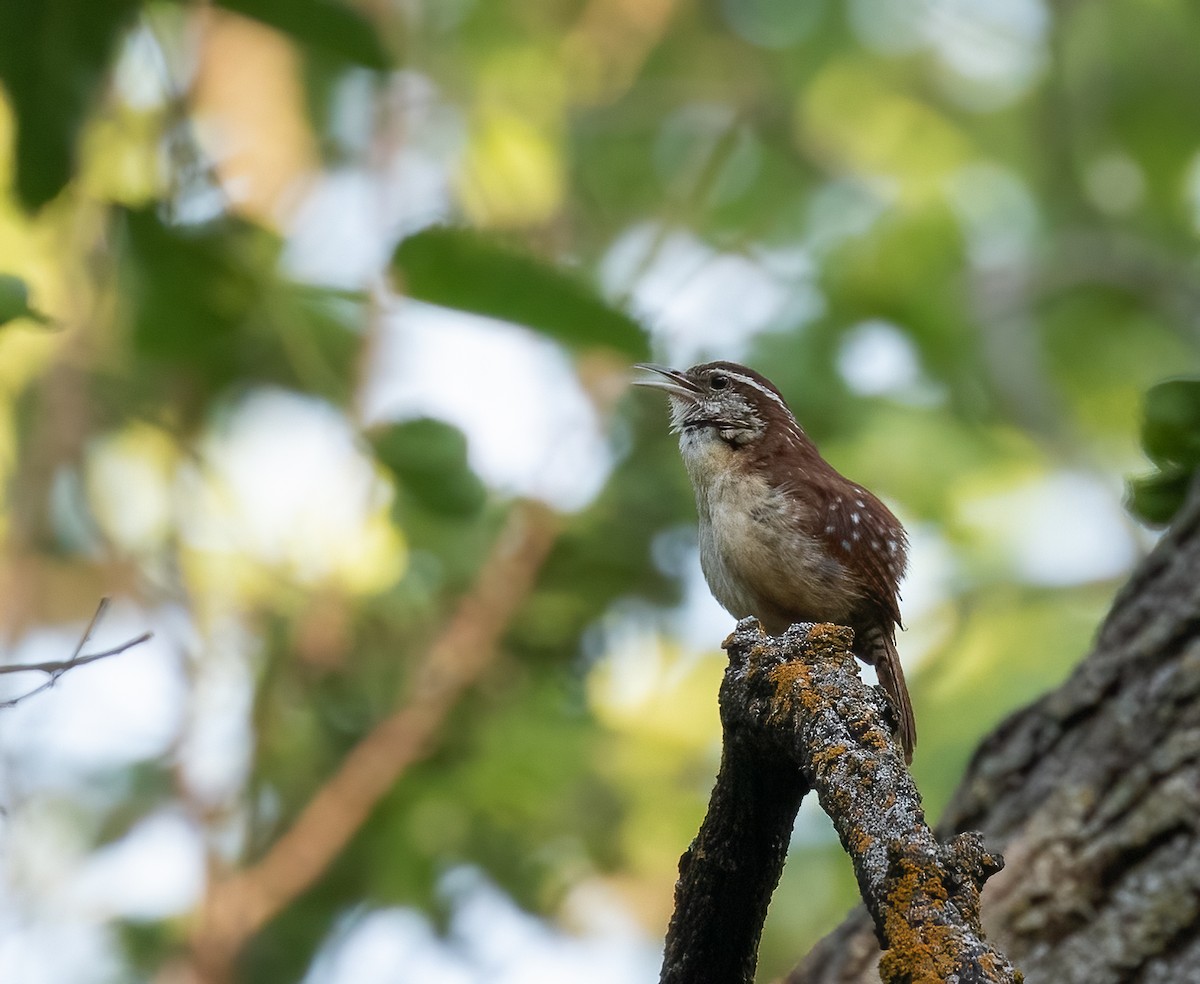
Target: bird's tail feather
(886, 661)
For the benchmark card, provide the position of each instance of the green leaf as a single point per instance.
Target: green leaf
(1157, 498)
(429, 458)
(14, 301)
(1171, 438)
(53, 57)
(326, 25)
(460, 269)
(1171, 429)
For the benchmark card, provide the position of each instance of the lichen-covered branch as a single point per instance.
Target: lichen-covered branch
(1092, 792)
(796, 716)
(728, 874)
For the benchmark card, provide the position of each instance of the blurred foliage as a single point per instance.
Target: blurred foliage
(208, 311)
(461, 269)
(1171, 438)
(429, 458)
(54, 67)
(961, 240)
(14, 300)
(326, 25)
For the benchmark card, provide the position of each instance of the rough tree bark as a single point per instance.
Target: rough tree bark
(1093, 795)
(796, 716)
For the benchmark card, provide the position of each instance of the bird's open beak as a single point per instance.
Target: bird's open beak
(671, 380)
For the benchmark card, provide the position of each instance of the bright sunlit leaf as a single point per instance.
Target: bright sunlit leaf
(859, 122)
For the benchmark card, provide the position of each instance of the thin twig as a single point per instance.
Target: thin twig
(56, 668)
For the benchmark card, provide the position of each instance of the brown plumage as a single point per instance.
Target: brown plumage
(783, 536)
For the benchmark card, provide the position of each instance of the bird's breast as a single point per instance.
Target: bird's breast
(759, 559)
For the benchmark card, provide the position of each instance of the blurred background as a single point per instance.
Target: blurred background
(316, 324)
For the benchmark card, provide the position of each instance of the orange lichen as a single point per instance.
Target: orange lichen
(860, 842)
(793, 681)
(830, 635)
(926, 953)
(830, 754)
(787, 675)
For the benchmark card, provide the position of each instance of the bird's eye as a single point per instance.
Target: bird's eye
(719, 382)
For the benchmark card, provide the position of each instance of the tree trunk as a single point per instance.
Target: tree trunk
(1092, 794)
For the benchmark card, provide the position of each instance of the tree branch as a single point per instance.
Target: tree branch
(1091, 792)
(57, 668)
(238, 906)
(797, 716)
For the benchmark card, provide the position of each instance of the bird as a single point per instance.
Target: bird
(784, 536)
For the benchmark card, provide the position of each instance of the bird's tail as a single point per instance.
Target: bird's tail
(886, 660)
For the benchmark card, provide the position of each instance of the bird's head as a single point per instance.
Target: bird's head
(736, 403)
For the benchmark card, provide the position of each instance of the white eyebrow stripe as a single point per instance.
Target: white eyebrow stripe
(758, 386)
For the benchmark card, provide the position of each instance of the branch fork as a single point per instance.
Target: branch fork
(797, 717)
(56, 668)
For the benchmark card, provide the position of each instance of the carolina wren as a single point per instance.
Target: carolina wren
(784, 536)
